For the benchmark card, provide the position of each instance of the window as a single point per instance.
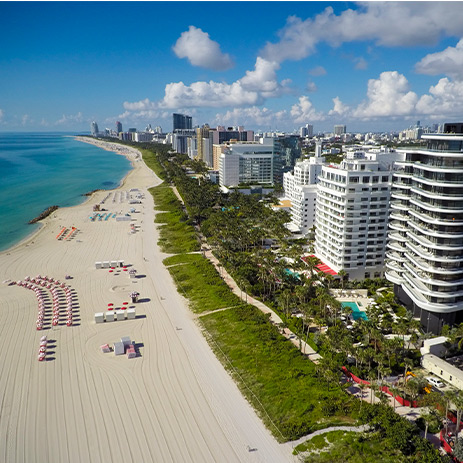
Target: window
(354, 179)
(366, 179)
(385, 178)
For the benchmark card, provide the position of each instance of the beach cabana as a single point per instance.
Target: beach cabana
(119, 348)
(131, 314)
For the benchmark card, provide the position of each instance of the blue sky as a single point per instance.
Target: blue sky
(266, 65)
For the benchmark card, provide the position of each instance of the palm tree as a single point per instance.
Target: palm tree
(342, 275)
(395, 392)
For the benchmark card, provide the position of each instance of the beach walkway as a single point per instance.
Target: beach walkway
(173, 402)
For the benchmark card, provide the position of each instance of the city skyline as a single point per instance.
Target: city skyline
(375, 66)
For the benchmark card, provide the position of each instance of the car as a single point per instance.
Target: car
(435, 382)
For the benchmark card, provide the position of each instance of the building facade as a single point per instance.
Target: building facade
(425, 250)
(300, 187)
(352, 213)
(246, 163)
(181, 122)
(94, 129)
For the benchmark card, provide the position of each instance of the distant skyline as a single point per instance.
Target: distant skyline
(265, 65)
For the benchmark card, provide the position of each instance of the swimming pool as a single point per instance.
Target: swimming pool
(356, 312)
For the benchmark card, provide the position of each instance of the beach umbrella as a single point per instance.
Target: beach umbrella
(27, 278)
(43, 338)
(41, 356)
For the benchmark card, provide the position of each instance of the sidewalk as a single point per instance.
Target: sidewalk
(274, 318)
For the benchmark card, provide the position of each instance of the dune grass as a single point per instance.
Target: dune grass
(275, 377)
(349, 447)
(176, 233)
(198, 280)
(151, 160)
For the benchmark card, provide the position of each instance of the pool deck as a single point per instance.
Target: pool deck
(359, 296)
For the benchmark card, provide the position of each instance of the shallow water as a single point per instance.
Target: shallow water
(38, 170)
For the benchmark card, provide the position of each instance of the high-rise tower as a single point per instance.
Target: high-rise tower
(425, 249)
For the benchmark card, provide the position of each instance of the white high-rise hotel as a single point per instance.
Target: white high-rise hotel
(425, 250)
(352, 213)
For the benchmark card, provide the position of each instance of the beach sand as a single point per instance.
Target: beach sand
(174, 402)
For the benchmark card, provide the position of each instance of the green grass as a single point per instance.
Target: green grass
(349, 447)
(199, 282)
(176, 234)
(278, 381)
(152, 162)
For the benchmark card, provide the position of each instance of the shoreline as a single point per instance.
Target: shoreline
(87, 197)
(173, 402)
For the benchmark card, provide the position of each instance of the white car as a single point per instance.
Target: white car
(435, 382)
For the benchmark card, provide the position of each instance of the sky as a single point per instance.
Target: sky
(373, 66)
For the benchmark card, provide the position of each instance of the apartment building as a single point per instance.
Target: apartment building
(425, 250)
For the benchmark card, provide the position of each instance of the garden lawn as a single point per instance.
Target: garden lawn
(199, 282)
(276, 378)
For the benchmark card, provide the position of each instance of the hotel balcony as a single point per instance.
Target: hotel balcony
(395, 256)
(431, 270)
(397, 237)
(433, 243)
(395, 215)
(438, 166)
(398, 226)
(435, 194)
(400, 205)
(393, 276)
(436, 218)
(395, 246)
(437, 180)
(435, 206)
(396, 194)
(435, 233)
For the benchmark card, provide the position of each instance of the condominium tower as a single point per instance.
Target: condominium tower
(425, 250)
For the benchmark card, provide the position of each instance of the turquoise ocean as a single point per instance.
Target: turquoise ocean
(38, 170)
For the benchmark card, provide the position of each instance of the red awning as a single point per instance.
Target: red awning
(321, 267)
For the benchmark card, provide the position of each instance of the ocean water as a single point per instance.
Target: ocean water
(38, 170)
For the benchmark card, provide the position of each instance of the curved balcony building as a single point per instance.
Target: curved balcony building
(425, 258)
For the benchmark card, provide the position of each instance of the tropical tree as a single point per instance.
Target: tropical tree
(342, 275)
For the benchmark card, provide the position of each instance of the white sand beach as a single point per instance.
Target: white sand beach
(174, 402)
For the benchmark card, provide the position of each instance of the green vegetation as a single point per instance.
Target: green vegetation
(153, 163)
(176, 234)
(199, 282)
(291, 395)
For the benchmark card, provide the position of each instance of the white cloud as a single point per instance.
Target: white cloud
(65, 119)
(387, 23)
(2, 114)
(339, 108)
(252, 89)
(317, 71)
(387, 96)
(253, 116)
(448, 61)
(445, 99)
(303, 111)
(139, 105)
(200, 50)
